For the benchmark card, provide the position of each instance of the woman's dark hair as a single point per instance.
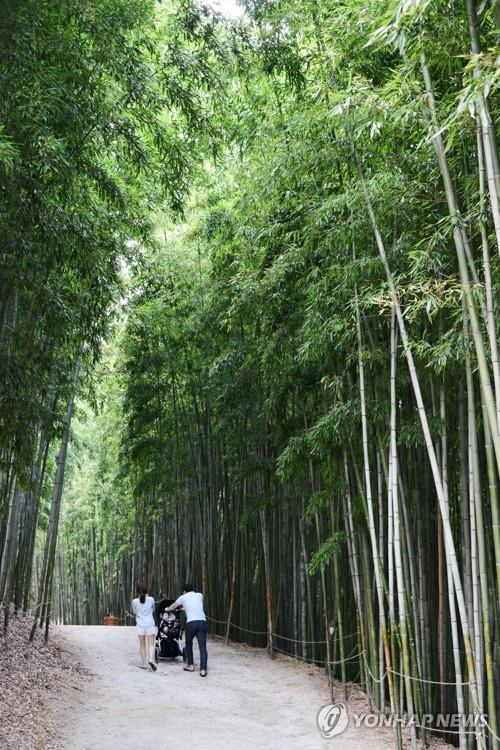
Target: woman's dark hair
(142, 590)
(187, 587)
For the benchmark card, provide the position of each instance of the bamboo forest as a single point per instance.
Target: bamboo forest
(249, 287)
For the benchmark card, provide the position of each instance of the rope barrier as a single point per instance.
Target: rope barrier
(275, 635)
(427, 728)
(341, 661)
(221, 622)
(491, 730)
(411, 677)
(429, 682)
(233, 625)
(246, 630)
(300, 658)
(127, 615)
(355, 657)
(351, 635)
(293, 640)
(319, 662)
(351, 657)
(433, 682)
(348, 659)
(376, 679)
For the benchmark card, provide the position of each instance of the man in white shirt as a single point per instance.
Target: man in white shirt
(196, 625)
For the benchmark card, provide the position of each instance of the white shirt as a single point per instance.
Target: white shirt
(193, 605)
(144, 612)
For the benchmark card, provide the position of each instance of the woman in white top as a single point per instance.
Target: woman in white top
(143, 607)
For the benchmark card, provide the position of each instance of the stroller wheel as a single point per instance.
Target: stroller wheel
(157, 653)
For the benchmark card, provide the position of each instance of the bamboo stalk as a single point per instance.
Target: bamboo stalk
(449, 542)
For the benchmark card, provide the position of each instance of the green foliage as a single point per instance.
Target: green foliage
(323, 556)
(106, 108)
(229, 410)
(246, 314)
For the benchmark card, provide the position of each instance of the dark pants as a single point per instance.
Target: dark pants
(196, 628)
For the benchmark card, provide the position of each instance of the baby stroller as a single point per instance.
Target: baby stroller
(168, 635)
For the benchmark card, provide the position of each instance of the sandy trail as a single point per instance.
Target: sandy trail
(247, 701)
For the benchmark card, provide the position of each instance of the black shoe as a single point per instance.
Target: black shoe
(153, 666)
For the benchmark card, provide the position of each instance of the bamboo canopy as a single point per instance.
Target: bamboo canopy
(249, 287)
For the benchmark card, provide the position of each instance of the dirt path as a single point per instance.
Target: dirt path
(247, 702)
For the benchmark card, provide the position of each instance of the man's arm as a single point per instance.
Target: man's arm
(173, 606)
